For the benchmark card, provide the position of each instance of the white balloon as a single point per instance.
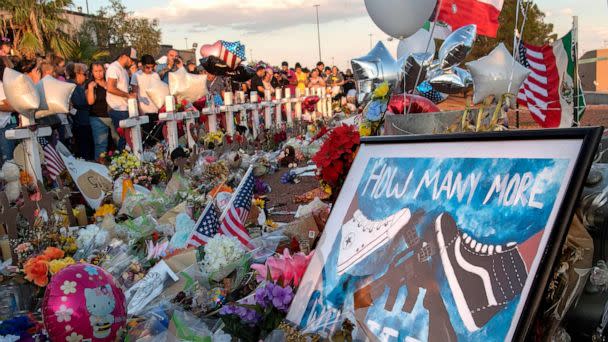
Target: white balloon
(496, 74)
(20, 91)
(186, 85)
(157, 91)
(54, 96)
(416, 43)
(400, 18)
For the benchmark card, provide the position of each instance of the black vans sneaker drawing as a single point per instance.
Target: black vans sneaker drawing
(483, 278)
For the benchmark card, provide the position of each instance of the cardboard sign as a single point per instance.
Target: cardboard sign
(93, 180)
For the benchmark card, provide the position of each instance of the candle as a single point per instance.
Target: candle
(5, 248)
(277, 93)
(169, 105)
(132, 104)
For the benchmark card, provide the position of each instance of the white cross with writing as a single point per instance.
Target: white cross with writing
(134, 122)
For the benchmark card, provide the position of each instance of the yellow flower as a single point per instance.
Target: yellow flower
(104, 210)
(271, 224)
(365, 130)
(381, 91)
(327, 189)
(59, 264)
(258, 202)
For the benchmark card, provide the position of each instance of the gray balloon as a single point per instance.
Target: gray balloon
(376, 67)
(416, 64)
(448, 82)
(457, 46)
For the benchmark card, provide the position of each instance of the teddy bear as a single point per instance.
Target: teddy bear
(10, 174)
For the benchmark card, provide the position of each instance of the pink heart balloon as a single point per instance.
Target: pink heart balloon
(211, 49)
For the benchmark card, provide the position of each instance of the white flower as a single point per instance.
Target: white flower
(68, 287)
(220, 252)
(74, 337)
(92, 236)
(64, 314)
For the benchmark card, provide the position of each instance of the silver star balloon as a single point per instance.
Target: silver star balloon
(457, 46)
(374, 68)
(496, 74)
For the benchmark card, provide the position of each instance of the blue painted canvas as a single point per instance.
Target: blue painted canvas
(436, 249)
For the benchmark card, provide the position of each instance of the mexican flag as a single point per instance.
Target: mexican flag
(549, 91)
(454, 14)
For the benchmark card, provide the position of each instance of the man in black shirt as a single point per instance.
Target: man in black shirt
(256, 81)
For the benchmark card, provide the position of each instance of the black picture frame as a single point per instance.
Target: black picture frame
(590, 136)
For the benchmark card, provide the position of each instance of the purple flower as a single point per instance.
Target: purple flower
(281, 297)
(261, 187)
(263, 297)
(229, 309)
(249, 316)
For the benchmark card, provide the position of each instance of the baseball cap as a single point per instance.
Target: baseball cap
(129, 52)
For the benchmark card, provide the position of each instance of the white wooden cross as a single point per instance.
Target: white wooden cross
(279, 103)
(211, 110)
(288, 109)
(29, 133)
(230, 108)
(171, 118)
(330, 102)
(298, 106)
(268, 109)
(134, 122)
(255, 113)
(240, 96)
(190, 118)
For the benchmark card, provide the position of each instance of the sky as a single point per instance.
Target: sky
(277, 30)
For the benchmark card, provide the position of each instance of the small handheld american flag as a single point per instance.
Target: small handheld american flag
(205, 227)
(232, 221)
(52, 161)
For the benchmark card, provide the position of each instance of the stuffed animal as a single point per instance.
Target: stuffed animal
(287, 157)
(10, 175)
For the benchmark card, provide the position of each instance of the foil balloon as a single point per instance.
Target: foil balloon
(448, 82)
(374, 68)
(416, 43)
(464, 75)
(400, 18)
(54, 95)
(83, 303)
(187, 86)
(214, 49)
(496, 74)
(20, 92)
(416, 104)
(457, 46)
(425, 89)
(415, 65)
(157, 91)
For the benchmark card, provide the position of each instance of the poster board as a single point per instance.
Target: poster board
(445, 237)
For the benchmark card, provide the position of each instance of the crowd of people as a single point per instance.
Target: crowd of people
(100, 99)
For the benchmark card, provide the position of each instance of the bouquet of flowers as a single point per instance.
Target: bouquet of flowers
(336, 155)
(38, 269)
(126, 164)
(223, 254)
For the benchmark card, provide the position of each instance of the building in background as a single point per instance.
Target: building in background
(593, 71)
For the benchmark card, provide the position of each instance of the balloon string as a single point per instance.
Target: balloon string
(428, 44)
(517, 40)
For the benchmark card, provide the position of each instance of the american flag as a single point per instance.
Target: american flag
(233, 53)
(205, 227)
(52, 160)
(549, 91)
(232, 221)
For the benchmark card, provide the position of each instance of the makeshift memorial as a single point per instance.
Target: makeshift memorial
(395, 184)
(376, 67)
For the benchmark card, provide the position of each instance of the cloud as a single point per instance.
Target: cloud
(252, 16)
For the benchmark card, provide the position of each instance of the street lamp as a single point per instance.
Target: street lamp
(318, 31)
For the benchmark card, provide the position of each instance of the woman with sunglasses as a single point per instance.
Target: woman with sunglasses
(141, 81)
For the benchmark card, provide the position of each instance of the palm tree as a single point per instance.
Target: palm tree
(86, 51)
(38, 26)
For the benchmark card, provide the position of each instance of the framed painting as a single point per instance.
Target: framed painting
(445, 237)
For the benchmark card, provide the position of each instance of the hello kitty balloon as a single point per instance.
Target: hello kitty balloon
(82, 302)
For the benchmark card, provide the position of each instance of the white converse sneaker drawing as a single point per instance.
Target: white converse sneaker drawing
(361, 236)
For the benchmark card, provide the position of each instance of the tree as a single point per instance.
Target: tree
(536, 31)
(115, 27)
(38, 26)
(86, 49)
